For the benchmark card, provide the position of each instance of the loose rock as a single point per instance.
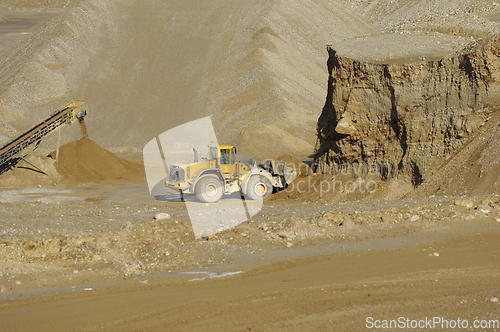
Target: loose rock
(286, 235)
(469, 217)
(484, 209)
(162, 216)
(488, 201)
(387, 218)
(322, 223)
(465, 203)
(414, 218)
(348, 223)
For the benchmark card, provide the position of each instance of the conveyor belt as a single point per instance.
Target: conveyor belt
(18, 147)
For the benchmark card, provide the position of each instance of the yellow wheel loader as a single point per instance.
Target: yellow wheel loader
(224, 172)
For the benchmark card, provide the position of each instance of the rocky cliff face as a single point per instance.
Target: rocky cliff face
(411, 117)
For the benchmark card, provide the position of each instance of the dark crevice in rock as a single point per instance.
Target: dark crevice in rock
(466, 66)
(410, 116)
(397, 123)
(328, 119)
(416, 176)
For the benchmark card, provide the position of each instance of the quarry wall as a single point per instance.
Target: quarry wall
(411, 117)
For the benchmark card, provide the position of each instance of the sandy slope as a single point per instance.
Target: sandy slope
(258, 67)
(472, 170)
(272, 86)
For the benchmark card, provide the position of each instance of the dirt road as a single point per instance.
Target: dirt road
(330, 292)
(103, 265)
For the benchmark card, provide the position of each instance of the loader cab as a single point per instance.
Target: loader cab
(225, 155)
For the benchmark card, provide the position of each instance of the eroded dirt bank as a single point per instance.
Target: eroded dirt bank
(412, 117)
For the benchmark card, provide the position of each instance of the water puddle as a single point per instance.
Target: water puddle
(211, 275)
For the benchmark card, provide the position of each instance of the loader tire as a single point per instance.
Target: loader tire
(259, 187)
(209, 189)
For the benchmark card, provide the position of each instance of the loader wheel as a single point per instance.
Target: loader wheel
(209, 189)
(259, 188)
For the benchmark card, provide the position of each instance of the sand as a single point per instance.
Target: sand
(473, 170)
(84, 161)
(105, 265)
(81, 161)
(144, 68)
(292, 161)
(25, 175)
(259, 70)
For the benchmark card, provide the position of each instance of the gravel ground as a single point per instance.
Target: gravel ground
(464, 18)
(413, 31)
(79, 237)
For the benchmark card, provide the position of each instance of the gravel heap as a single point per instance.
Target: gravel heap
(85, 161)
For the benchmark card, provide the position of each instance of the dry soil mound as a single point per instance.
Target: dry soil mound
(292, 161)
(85, 161)
(25, 175)
(473, 170)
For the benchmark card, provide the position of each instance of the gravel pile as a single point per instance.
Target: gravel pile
(464, 18)
(423, 30)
